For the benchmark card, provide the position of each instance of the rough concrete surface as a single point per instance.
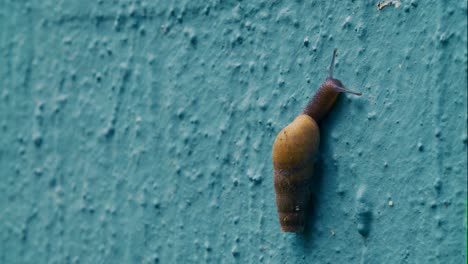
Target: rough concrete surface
(141, 131)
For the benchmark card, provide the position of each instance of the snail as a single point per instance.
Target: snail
(294, 152)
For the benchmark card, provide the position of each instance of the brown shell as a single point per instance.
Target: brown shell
(294, 151)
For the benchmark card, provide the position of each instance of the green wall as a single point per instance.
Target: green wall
(141, 131)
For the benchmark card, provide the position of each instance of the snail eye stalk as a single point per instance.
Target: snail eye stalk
(344, 90)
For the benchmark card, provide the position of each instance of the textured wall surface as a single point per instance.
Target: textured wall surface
(141, 131)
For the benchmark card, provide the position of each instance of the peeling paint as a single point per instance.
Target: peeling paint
(382, 4)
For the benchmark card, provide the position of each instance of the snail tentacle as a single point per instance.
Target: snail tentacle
(332, 65)
(345, 90)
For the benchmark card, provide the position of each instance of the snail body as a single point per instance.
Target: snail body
(294, 151)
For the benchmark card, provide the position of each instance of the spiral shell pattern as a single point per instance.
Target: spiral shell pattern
(294, 152)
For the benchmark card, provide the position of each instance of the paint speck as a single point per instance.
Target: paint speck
(38, 172)
(363, 212)
(235, 252)
(67, 40)
(280, 82)
(108, 132)
(420, 147)
(156, 204)
(192, 36)
(371, 116)
(37, 139)
(306, 42)
(262, 104)
(347, 22)
(390, 203)
(207, 246)
(181, 113)
(438, 185)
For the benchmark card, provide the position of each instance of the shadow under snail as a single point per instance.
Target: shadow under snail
(294, 152)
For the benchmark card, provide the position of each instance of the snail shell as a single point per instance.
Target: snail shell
(293, 154)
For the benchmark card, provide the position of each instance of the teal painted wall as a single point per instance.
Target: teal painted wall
(141, 131)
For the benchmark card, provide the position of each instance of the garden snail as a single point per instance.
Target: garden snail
(294, 153)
